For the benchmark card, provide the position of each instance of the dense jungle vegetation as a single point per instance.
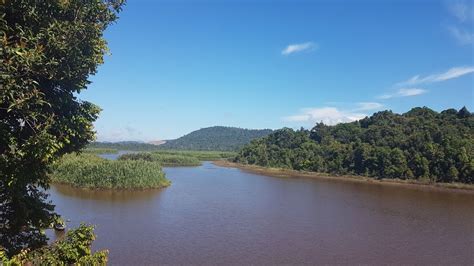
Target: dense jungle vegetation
(420, 144)
(91, 171)
(217, 138)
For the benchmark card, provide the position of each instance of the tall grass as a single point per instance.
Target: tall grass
(90, 171)
(200, 155)
(163, 159)
(99, 150)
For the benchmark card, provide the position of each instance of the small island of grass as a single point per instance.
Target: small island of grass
(162, 159)
(90, 171)
(178, 158)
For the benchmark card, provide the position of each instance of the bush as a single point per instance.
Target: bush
(73, 249)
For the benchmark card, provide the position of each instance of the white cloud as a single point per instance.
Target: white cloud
(452, 73)
(125, 133)
(300, 47)
(365, 106)
(404, 92)
(463, 11)
(462, 36)
(327, 115)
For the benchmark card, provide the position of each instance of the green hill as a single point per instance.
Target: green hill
(217, 138)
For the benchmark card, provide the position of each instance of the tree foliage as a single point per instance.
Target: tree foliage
(420, 144)
(74, 248)
(48, 50)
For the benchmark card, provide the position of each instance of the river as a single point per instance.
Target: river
(217, 215)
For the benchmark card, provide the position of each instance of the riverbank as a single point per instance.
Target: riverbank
(287, 173)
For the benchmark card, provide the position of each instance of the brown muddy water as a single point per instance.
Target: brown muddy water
(217, 215)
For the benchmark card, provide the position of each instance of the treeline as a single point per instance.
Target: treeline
(123, 146)
(421, 144)
(217, 138)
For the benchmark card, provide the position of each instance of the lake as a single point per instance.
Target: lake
(217, 215)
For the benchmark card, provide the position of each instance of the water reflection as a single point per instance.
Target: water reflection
(115, 156)
(215, 215)
(106, 194)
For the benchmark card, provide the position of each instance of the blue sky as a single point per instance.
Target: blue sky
(177, 66)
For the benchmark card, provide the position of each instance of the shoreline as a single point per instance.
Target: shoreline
(288, 173)
(107, 188)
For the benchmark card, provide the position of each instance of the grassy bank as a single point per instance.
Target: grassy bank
(162, 159)
(287, 173)
(99, 150)
(200, 155)
(90, 171)
(178, 158)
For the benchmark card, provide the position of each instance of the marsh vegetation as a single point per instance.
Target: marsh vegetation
(162, 159)
(91, 171)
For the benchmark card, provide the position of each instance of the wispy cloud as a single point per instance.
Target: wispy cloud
(327, 115)
(452, 73)
(299, 47)
(462, 36)
(404, 92)
(124, 133)
(462, 10)
(365, 106)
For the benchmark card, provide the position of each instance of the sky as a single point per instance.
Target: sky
(178, 66)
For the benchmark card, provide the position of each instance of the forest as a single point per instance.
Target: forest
(420, 144)
(217, 138)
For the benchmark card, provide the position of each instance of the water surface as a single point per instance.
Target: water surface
(219, 215)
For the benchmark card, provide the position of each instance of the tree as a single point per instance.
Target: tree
(420, 144)
(48, 51)
(74, 248)
(464, 113)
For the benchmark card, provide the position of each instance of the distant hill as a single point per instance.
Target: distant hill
(217, 138)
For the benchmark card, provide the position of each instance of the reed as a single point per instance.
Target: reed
(90, 171)
(200, 155)
(99, 150)
(163, 159)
